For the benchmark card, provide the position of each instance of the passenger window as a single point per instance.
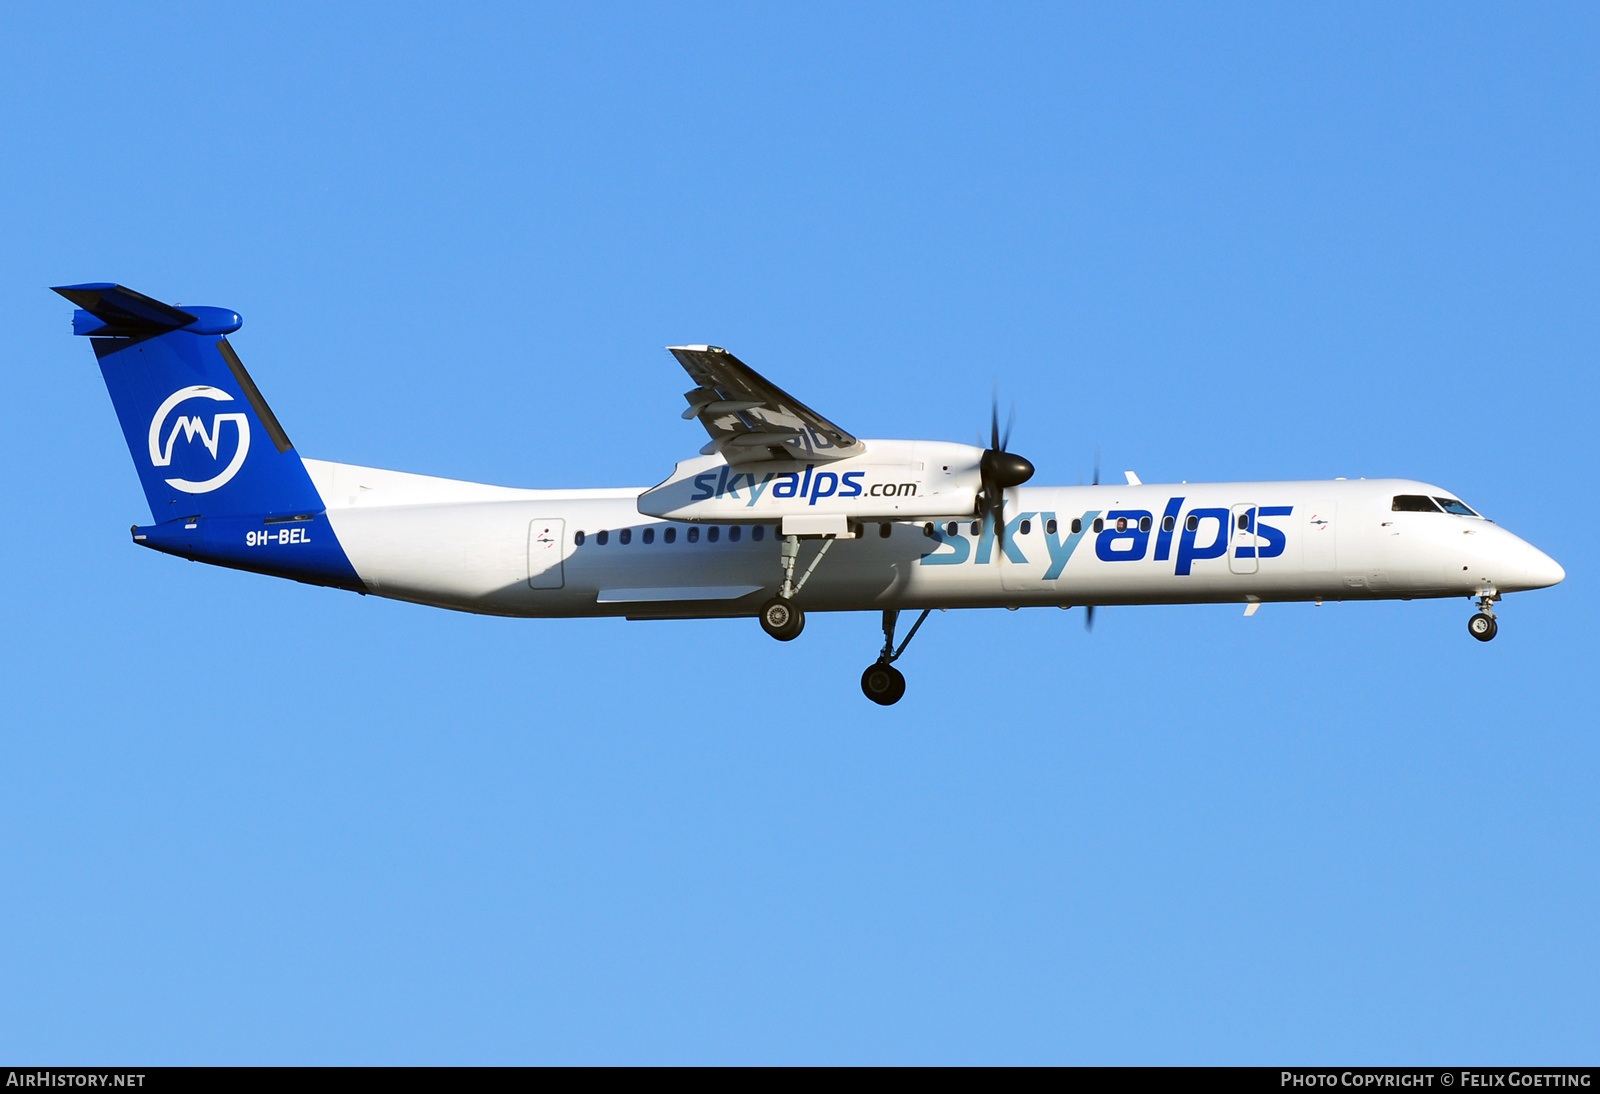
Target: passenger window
(625, 536)
(883, 531)
(1024, 527)
(694, 534)
(1077, 525)
(1244, 522)
(713, 533)
(649, 535)
(1050, 526)
(602, 537)
(1192, 523)
(733, 534)
(1451, 505)
(670, 535)
(1100, 524)
(952, 528)
(577, 539)
(1122, 524)
(1144, 524)
(1167, 523)
(977, 527)
(927, 529)
(758, 533)
(1413, 503)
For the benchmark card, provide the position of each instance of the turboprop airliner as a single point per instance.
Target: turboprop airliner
(781, 513)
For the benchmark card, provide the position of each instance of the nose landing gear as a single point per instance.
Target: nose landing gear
(882, 682)
(1483, 626)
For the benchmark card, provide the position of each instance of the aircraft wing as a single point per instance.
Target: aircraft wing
(749, 418)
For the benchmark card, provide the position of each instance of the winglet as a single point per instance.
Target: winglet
(1133, 480)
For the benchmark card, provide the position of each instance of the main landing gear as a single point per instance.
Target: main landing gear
(781, 617)
(1483, 626)
(882, 682)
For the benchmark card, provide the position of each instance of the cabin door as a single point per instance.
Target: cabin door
(545, 541)
(1319, 538)
(1243, 540)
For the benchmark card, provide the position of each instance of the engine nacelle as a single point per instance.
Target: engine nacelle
(890, 480)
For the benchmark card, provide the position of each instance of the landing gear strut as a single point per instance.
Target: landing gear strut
(781, 617)
(882, 682)
(1483, 626)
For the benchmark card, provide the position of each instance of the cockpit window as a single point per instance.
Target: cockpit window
(1415, 503)
(1451, 505)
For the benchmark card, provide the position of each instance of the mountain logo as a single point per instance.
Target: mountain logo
(195, 426)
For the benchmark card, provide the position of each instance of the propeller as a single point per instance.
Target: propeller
(1000, 470)
(1088, 612)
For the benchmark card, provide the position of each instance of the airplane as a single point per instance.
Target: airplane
(781, 513)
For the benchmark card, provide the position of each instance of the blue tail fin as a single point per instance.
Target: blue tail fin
(225, 485)
(203, 439)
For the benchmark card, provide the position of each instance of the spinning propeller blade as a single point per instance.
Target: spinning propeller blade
(1000, 470)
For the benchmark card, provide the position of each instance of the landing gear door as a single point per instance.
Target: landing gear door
(1243, 542)
(545, 541)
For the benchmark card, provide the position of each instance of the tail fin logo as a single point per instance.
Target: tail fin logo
(195, 426)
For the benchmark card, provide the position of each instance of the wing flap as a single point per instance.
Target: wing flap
(750, 419)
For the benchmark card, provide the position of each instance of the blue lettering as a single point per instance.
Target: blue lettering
(816, 486)
(1188, 551)
(1275, 539)
(703, 485)
(1061, 550)
(852, 484)
(805, 483)
(986, 540)
(1164, 537)
(722, 482)
(786, 485)
(960, 549)
(1105, 547)
(757, 488)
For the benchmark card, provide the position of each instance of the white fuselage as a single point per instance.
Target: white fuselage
(506, 551)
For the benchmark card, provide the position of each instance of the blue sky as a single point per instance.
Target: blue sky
(244, 820)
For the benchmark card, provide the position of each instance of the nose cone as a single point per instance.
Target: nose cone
(1516, 564)
(1540, 570)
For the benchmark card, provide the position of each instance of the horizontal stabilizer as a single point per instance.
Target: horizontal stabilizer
(115, 311)
(123, 311)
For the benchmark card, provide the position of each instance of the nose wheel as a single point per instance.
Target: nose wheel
(1483, 626)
